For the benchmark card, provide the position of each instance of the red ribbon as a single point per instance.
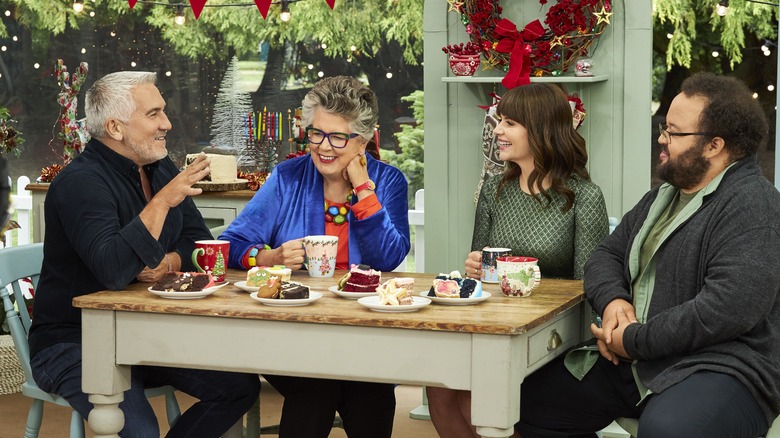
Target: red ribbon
(263, 6)
(517, 44)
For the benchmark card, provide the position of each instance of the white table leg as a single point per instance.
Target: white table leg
(106, 419)
(103, 380)
(496, 374)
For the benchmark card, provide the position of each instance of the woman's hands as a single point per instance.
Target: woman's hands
(356, 173)
(618, 315)
(473, 265)
(289, 254)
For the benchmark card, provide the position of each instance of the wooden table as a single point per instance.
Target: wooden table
(487, 348)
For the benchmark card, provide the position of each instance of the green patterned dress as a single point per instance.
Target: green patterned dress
(561, 241)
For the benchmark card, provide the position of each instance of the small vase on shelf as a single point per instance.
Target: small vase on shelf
(464, 65)
(463, 58)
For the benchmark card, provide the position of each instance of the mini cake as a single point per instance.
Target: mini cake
(396, 292)
(268, 284)
(293, 291)
(283, 272)
(184, 282)
(223, 167)
(360, 278)
(455, 286)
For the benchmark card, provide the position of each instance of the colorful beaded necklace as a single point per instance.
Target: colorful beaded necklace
(337, 213)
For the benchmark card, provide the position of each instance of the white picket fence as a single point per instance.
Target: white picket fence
(21, 204)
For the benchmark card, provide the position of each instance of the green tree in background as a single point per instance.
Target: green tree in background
(411, 143)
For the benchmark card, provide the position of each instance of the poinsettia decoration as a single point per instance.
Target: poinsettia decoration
(572, 27)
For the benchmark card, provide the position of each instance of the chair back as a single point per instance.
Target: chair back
(17, 263)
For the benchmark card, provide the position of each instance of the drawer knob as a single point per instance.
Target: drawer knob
(554, 341)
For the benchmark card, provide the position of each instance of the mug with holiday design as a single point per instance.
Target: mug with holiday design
(211, 257)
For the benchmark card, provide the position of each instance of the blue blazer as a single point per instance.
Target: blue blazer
(290, 205)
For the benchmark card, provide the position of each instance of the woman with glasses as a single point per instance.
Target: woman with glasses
(336, 190)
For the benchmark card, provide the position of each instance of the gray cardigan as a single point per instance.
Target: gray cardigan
(716, 300)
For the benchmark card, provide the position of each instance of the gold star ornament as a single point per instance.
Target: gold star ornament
(602, 15)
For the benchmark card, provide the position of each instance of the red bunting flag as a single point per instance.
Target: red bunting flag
(197, 7)
(263, 6)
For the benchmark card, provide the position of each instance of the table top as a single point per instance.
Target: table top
(496, 315)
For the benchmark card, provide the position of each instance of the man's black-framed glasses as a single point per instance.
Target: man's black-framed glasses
(664, 128)
(337, 140)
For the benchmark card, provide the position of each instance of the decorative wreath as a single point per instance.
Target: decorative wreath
(572, 27)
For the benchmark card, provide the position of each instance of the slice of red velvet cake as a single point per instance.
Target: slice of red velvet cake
(361, 278)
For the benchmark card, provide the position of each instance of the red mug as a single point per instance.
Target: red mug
(211, 257)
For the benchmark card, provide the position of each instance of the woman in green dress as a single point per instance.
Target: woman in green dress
(543, 205)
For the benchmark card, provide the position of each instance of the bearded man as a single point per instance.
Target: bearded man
(118, 213)
(686, 288)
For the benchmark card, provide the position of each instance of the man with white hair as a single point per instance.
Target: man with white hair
(121, 212)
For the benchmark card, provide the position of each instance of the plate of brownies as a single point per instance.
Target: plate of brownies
(184, 286)
(287, 302)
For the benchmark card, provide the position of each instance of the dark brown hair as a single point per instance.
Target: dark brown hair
(558, 150)
(731, 113)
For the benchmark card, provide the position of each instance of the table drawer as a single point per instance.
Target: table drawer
(554, 338)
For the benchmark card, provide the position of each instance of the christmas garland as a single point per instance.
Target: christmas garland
(572, 27)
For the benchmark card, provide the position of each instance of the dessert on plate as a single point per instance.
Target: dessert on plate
(360, 278)
(184, 282)
(396, 292)
(268, 284)
(452, 285)
(293, 291)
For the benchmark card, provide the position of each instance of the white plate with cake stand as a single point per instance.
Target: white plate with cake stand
(350, 295)
(457, 301)
(373, 304)
(277, 302)
(177, 295)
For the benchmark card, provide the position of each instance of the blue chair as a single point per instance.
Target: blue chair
(17, 263)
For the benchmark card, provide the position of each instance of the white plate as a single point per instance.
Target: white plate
(242, 285)
(187, 295)
(276, 302)
(373, 304)
(457, 301)
(350, 295)
(490, 282)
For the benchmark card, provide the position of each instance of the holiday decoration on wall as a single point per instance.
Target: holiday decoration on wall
(572, 27)
(10, 138)
(262, 5)
(72, 132)
(228, 126)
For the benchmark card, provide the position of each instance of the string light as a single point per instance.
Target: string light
(78, 6)
(179, 19)
(722, 8)
(285, 15)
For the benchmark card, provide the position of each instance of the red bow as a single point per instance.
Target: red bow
(517, 44)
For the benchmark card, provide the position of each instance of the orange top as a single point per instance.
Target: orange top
(361, 210)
